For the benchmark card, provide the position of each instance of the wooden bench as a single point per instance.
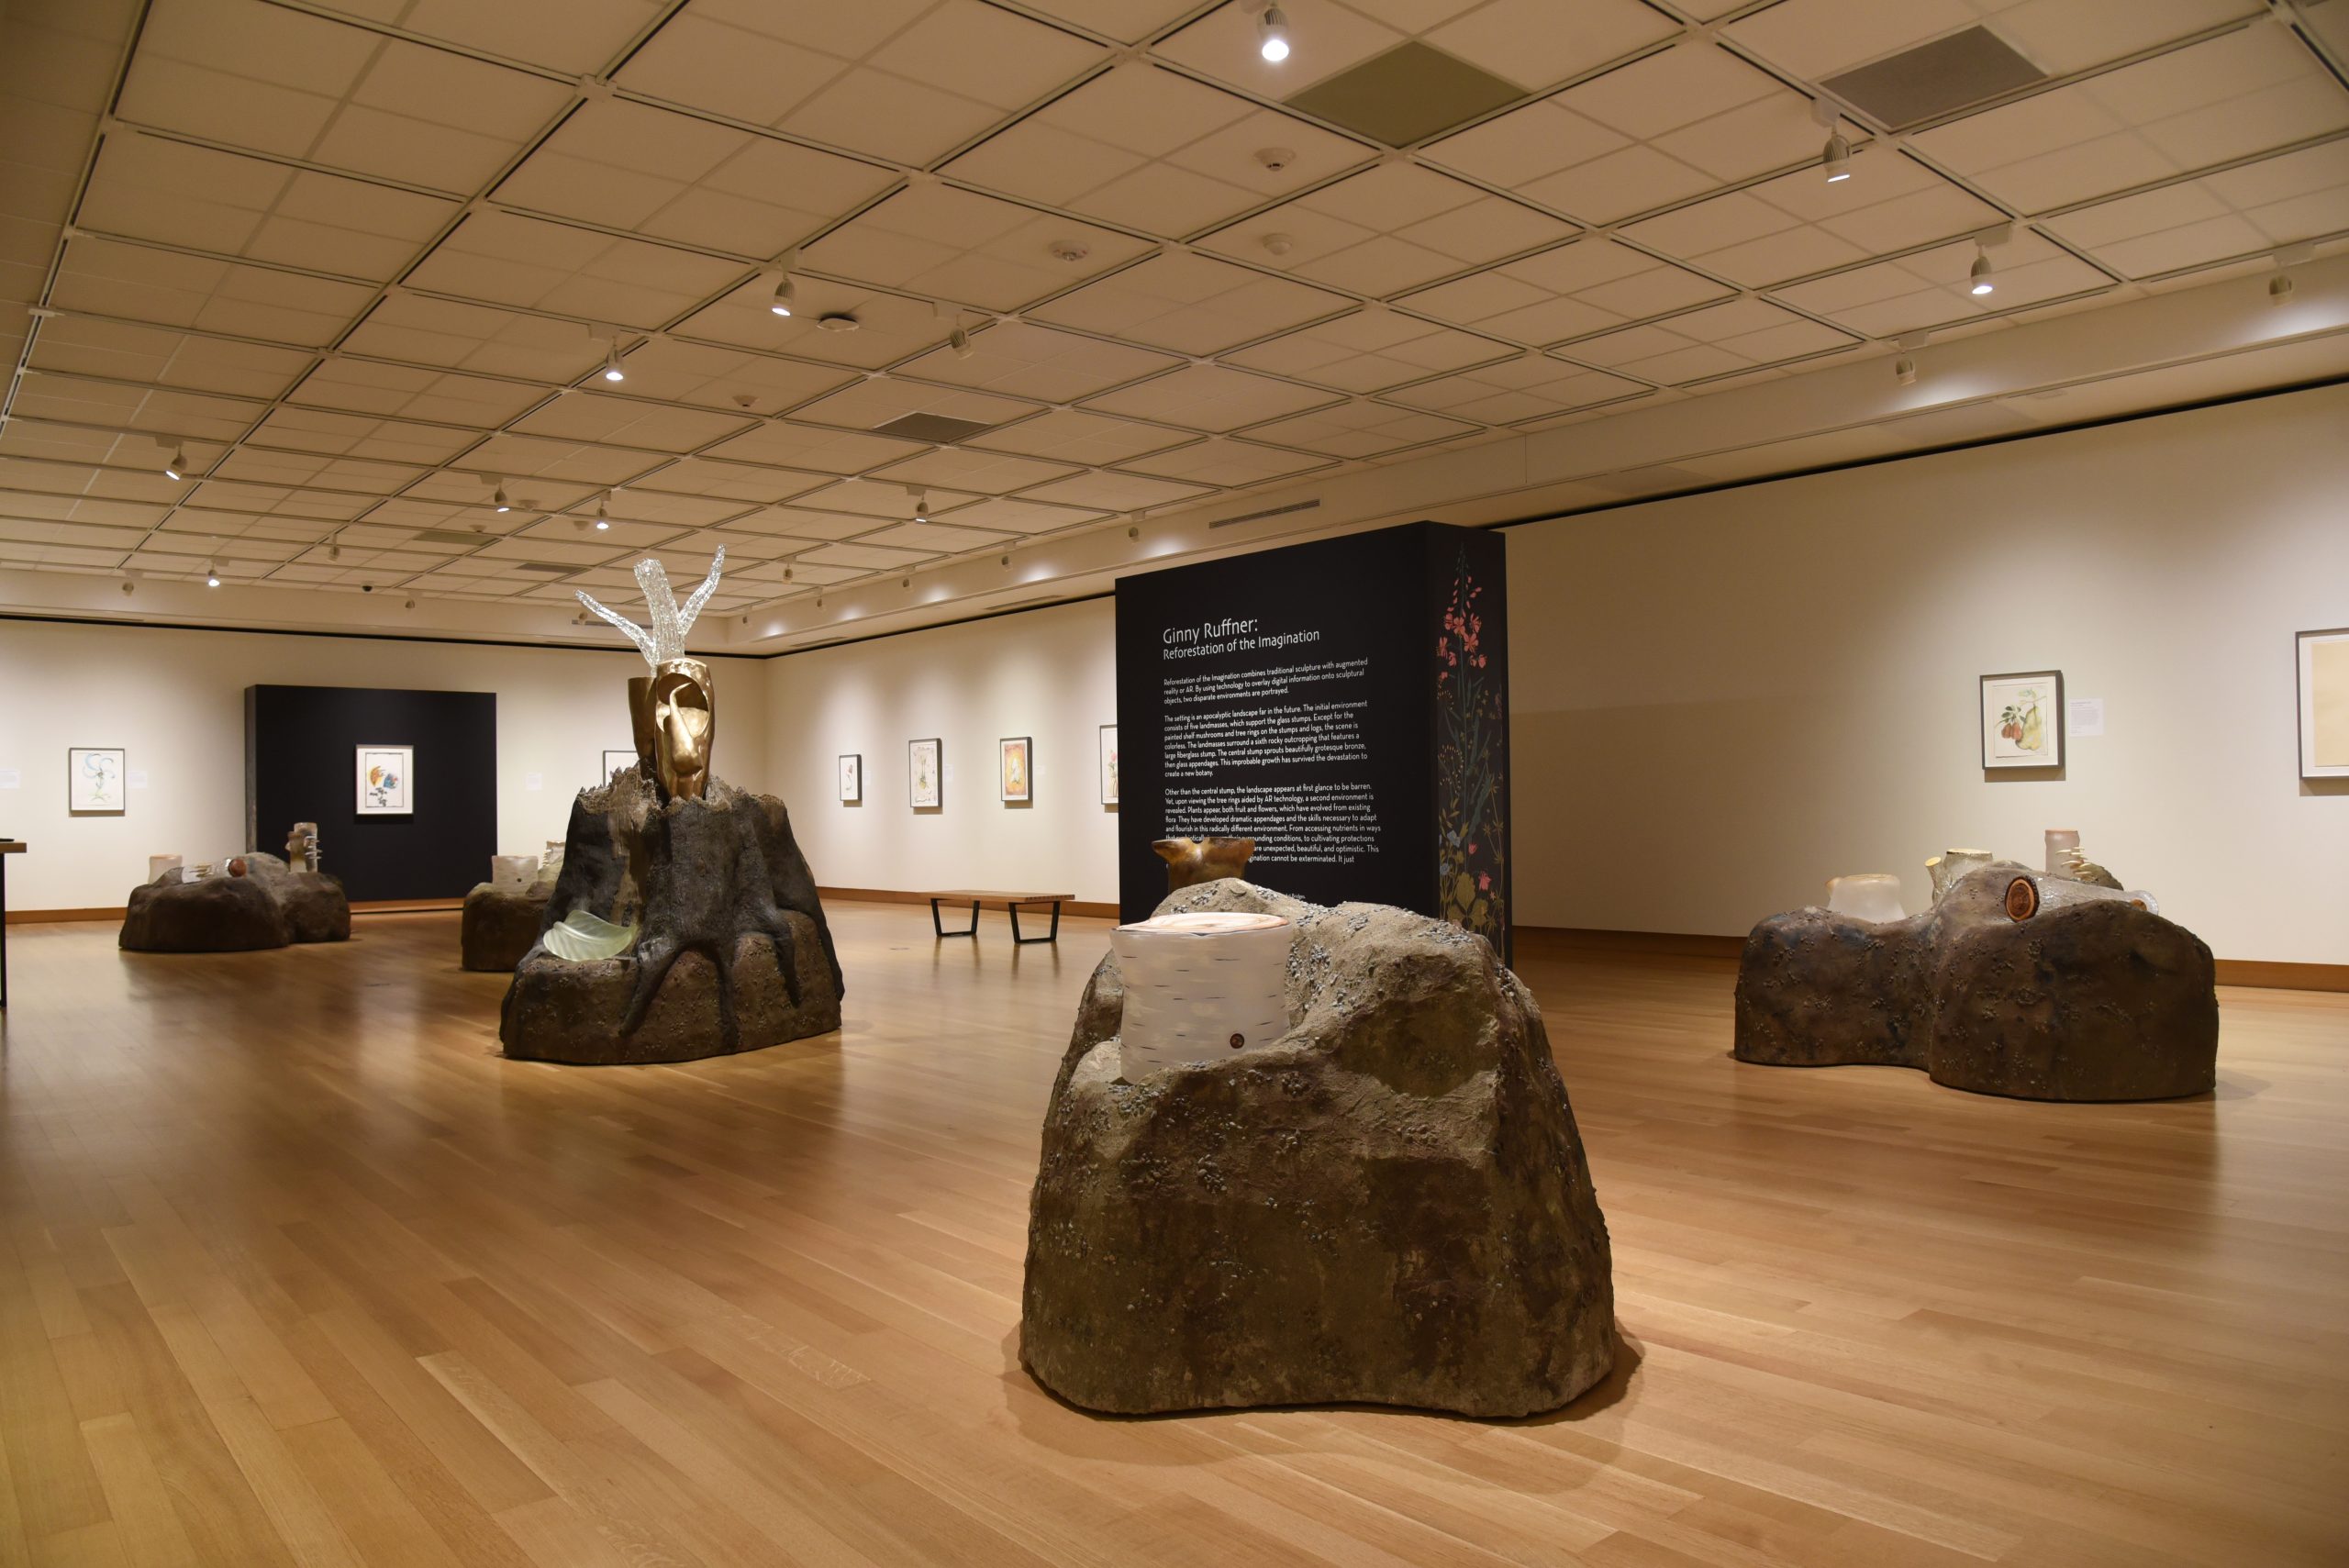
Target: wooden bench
(1010, 903)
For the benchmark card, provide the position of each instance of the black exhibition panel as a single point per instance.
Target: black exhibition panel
(1344, 702)
(301, 751)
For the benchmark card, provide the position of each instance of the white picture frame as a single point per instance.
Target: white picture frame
(852, 778)
(96, 780)
(1015, 769)
(924, 775)
(1108, 764)
(386, 780)
(2022, 720)
(2322, 661)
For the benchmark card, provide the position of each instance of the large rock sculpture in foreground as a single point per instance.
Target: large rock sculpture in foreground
(269, 906)
(733, 953)
(1387, 1204)
(2016, 983)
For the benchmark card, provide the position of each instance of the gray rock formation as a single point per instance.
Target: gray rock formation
(2067, 992)
(1388, 1205)
(267, 907)
(734, 952)
(500, 924)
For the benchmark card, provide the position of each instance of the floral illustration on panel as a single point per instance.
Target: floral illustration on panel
(1471, 735)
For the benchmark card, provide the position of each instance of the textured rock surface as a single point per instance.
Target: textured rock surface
(1390, 1205)
(267, 907)
(500, 924)
(713, 884)
(2090, 998)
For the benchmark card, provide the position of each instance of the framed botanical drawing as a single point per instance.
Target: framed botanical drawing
(852, 778)
(1108, 764)
(922, 770)
(2325, 703)
(386, 781)
(1017, 765)
(94, 779)
(2022, 720)
(612, 762)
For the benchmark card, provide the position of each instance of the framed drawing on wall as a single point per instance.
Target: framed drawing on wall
(852, 778)
(923, 768)
(386, 781)
(1017, 763)
(614, 761)
(2022, 720)
(95, 776)
(2325, 703)
(1108, 764)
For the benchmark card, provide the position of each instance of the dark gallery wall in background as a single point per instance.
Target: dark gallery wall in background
(301, 745)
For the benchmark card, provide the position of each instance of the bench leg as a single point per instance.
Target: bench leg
(1053, 935)
(936, 925)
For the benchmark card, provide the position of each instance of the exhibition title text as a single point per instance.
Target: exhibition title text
(1226, 636)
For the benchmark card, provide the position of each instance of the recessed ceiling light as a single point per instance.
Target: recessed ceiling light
(1273, 44)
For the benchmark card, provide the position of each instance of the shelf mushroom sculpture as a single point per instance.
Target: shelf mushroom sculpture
(673, 713)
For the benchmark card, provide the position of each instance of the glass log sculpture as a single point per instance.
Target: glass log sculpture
(1200, 986)
(677, 709)
(1866, 895)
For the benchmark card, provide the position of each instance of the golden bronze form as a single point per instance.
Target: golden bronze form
(685, 719)
(639, 719)
(671, 711)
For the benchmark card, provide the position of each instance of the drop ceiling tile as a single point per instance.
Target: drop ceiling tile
(1143, 147)
(898, 79)
(198, 416)
(945, 243)
(722, 378)
(868, 405)
(721, 488)
(806, 447)
(576, 36)
(869, 557)
(877, 498)
(670, 176)
(397, 441)
(980, 473)
(1110, 492)
(1818, 38)
(1020, 358)
(1127, 21)
(798, 523)
(1585, 285)
(1529, 386)
(1525, 42)
(2252, 207)
(1190, 303)
(1228, 463)
(245, 73)
(2242, 93)
(127, 352)
(426, 116)
(480, 339)
(1025, 518)
(556, 463)
(1226, 44)
(1362, 431)
(1368, 351)
(1386, 229)
(941, 537)
(630, 422)
(1209, 397)
(112, 278)
(1073, 435)
(500, 258)
(888, 327)
(1928, 290)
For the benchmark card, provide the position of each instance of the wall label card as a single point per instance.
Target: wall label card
(11, 778)
(534, 782)
(138, 779)
(2083, 716)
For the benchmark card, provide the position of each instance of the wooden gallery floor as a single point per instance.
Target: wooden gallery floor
(297, 1270)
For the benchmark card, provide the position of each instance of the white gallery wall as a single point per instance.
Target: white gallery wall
(174, 700)
(1049, 674)
(1722, 700)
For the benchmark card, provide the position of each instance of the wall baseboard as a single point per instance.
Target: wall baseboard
(1076, 907)
(2257, 973)
(374, 907)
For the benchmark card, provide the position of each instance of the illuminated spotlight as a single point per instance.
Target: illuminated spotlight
(1981, 270)
(177, 467)
(1274, 46)
(612, 371)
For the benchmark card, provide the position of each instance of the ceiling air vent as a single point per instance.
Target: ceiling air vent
(1267, 512)
(936, 429)
(544, 569)
(1407, 94)
(445, 535)
(1935, 78)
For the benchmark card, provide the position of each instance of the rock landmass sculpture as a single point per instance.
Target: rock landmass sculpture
(1389, 1203)
(268, 906)
(731, 950)
(2016, 983)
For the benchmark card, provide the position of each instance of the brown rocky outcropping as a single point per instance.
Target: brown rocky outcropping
(499, 925)
(2087, 996)
(268, 906)
(1390, 1205)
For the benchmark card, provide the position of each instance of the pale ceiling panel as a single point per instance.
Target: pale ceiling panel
(630, 422)
(712, 377)
(1719, 340)
(110, 277)
(977, 472)
(740, 483)
(128, 351)
(501, 258)
(1388, 229)
(1209, 397)
(1110, 492)
(1817, 39)
(1931, 288)
(1584, 286)
(944, 243)
(368, 386)
(1530, 387)
(1370, 351)
(459, 336)
(1020, 358)
(869, 405)
(576, 36)
(2234, 213)
(1073, 435)
(1362, 431)
(1192, 304)
(887, 327)
(1227, 462)
(808, 447)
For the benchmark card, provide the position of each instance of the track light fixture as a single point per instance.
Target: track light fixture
(603, 519)
(1274, 27)
(1837, 159)
(1904, 370)
(1981, 270)
(612, 371)
(211, 576)
(786, 573)
(784, 293)
(334, 552)
(960, 341)
(921, 506)
(498, 499)
(177, 467)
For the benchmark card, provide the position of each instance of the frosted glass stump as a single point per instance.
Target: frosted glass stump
(1199, 987)
(1865, 895)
